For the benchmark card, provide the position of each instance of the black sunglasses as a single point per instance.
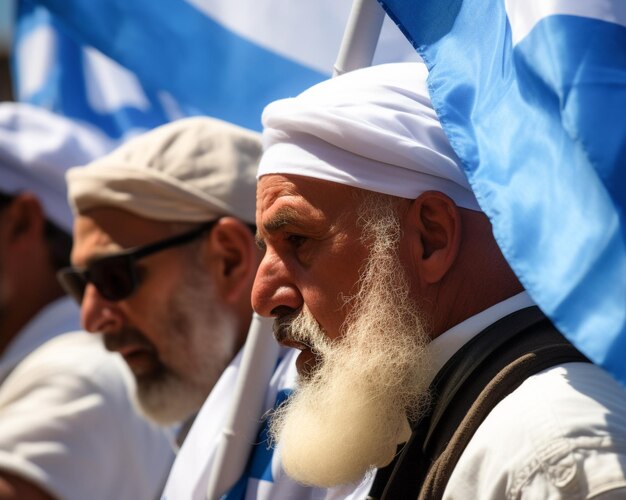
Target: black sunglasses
(115, 276)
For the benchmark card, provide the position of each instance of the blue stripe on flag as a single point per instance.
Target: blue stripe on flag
(179, 49)
(542, 139)
(586, 86)
(593, 63)
(260, 463)
(135, 65)
(64, 89)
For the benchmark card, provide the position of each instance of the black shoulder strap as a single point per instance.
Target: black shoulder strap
(488, 368)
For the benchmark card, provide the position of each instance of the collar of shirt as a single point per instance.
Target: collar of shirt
(442, 348)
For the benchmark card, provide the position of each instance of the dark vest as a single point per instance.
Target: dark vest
(482, 373)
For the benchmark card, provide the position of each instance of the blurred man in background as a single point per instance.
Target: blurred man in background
(163, 261)
(68, 428)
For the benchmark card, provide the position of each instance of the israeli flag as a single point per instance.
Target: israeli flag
(131, 65)
(532, 95)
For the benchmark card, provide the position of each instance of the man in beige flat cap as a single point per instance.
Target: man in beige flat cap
(164, 259)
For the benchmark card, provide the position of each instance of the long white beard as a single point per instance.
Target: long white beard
(349, 415)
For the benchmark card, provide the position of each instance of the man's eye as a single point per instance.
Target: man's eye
(296, 240)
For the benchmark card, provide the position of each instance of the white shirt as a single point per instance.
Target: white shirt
(66, 419)
(560, 435)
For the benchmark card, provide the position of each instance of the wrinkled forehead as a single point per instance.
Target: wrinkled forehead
(304, 193)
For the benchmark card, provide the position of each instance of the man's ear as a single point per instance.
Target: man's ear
(436, 222)
(233, 256)
(24, 221)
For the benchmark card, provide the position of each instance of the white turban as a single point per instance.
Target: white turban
(372, 128)
(192, 170)
(36, 148)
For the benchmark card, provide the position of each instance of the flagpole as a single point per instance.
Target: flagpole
(360, 36)
(260, 354)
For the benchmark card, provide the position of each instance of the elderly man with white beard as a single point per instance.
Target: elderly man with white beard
(381, 269)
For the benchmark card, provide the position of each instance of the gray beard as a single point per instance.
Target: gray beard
(202, 343)
(348, 415)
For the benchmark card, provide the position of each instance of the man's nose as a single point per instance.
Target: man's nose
(274, 288)
(99, 315)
